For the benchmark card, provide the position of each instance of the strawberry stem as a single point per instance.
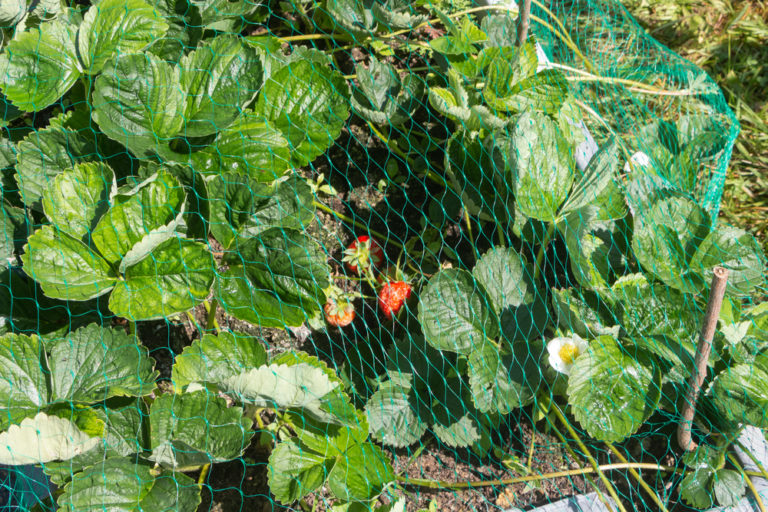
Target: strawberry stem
(352, 221)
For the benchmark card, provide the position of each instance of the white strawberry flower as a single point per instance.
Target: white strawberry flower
(563, 352)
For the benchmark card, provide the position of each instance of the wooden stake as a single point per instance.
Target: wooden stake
(523, 21)
(716, 294)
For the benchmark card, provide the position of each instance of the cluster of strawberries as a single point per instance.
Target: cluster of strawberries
(362, 257)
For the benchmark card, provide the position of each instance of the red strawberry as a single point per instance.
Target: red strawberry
(361, 253)
(339, 313)
(392, 296)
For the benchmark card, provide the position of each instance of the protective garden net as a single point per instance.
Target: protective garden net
(381, 255)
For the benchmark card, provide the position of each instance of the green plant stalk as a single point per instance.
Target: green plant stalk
(590, 459)
(310, 37)
(749, 483)
(468, 221)
(399, 152)
(442, 484)
(360, 225)
(203, 474)
(416, 454)
(754, 459)
(543, 250)
(654, 496)
(565, 37)
(391, 145)
(500, 232)
(348, 278)
(193, 320)
(633, 85)
(529, 462)
(622, 146)
(211, 322)
(410, 70)
(304, 505)
(568, 448)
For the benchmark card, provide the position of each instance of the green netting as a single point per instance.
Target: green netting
(381, 255)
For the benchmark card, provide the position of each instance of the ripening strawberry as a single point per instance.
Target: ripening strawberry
(392, 296)
(363, 252)
(339, 313)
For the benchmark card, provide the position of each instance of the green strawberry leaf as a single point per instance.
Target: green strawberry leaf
(215, 11)
(597, 185)
(476, 172)
(43, 439)
(122, 435)
(141, 488)
(175, 277)
(148, 212)
(243, 208)
(360, 474)
(543, 92)
(116, 27)
(295, 471)
(309, 104)
(23, 386)
(499, 382)
(729, 487)
(12, 12)
(219, 79)
(590, 246)
(541, 166)
(397, 15)
(252, 145)
(215, 358)
(393, 415)
(284, 270)
(95, 364)
(461, 433)
(667, 235)
(300, 386)
(44, 154)
(740, 394)
(40, 65)
(258, 307)
(382, 97)
(575, 314)
(172, 491)
(611, 392)
(26, 308)
(351, 15)
(196, 428)
(65, 267)
(736, 250)
(185, 29)
(455, 314)
(76, 199)
(138, 102)
(13, 230)
(508, 283)
(648, 309)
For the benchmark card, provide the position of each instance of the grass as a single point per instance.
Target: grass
(727, 38)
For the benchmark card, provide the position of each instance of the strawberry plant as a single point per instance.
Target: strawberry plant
(164, 161)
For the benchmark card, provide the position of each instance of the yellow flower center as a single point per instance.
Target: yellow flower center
(568, 353)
